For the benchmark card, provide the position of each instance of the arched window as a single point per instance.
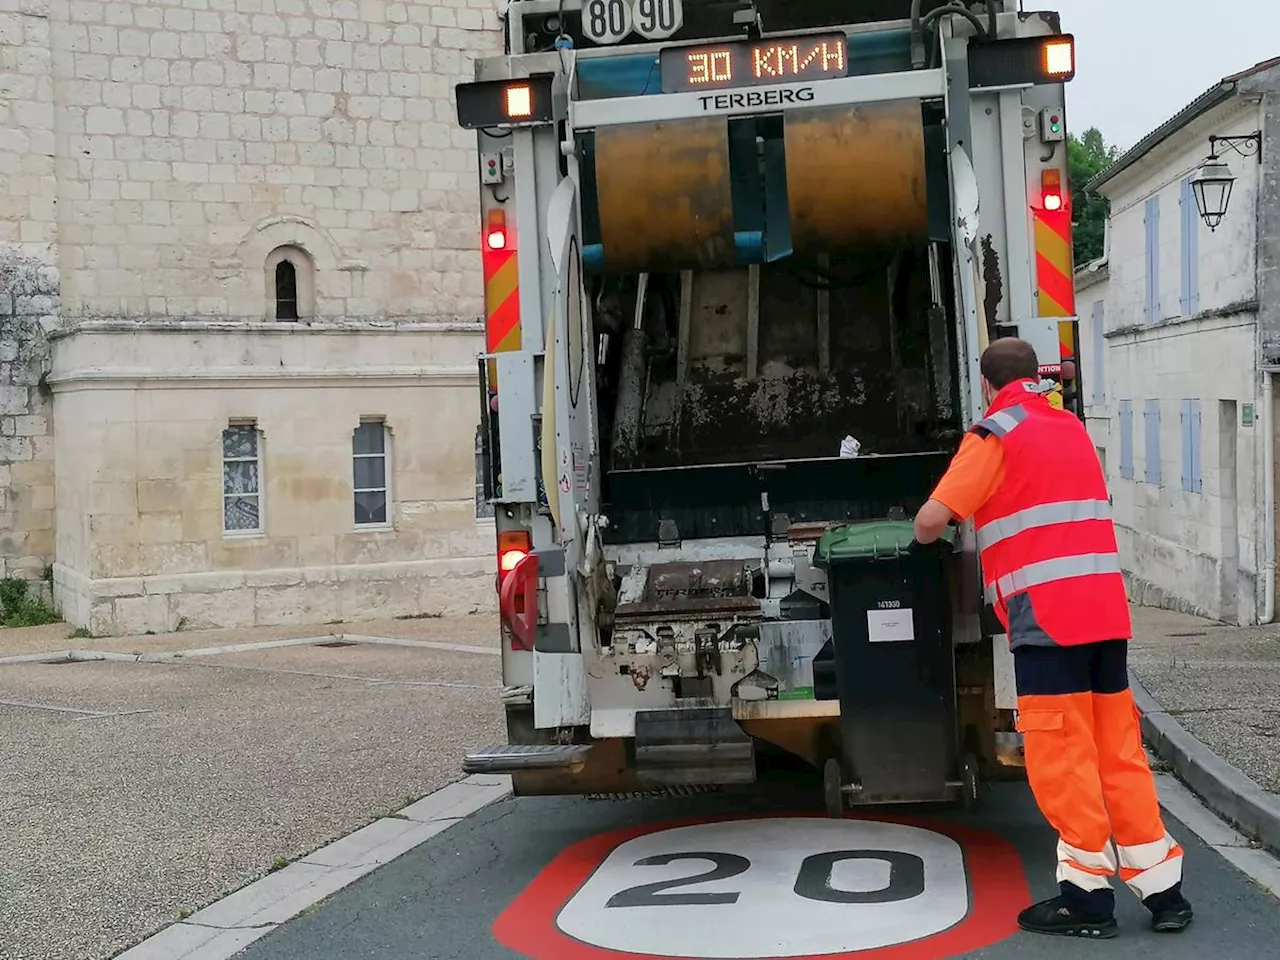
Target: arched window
(290, 276)
(286, 290)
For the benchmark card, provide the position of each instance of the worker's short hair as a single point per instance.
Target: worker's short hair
(1009, 359)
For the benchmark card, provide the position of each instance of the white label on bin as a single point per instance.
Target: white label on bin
(890, 626)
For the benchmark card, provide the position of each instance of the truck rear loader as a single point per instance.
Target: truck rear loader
(740, 262)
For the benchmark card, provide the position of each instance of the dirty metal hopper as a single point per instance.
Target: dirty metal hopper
(714, 192)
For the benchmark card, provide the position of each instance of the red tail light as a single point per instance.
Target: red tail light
(513, 546)
(517, 587)
(1051, 190)
(495, 234)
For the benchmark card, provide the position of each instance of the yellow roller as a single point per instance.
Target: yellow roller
(856, 176)
(665, 196)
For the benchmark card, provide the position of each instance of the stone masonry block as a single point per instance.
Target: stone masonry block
(15, 448)
(31, 426)
(135, 615)
(203, 611)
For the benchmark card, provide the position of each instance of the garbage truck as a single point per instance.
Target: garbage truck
(740, 262)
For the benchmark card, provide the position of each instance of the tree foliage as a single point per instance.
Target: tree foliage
(1088, 156)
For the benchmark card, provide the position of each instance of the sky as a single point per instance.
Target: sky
(1120, 86)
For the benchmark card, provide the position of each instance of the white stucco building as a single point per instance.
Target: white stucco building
(240, 309)
(1178, 329)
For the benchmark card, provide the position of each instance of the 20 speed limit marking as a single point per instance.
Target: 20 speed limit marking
(767, 888)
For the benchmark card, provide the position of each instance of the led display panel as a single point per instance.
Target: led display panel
(754, 63)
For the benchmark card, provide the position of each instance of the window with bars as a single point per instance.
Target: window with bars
(371, 484)
(242, 478)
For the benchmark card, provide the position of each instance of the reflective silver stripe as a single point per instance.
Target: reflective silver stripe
(989, 593)
(1043, 515)
(1063, 568)
(1004, 422)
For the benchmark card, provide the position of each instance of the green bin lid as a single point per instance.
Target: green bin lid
(880, 538)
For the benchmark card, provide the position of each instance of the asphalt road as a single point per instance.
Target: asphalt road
(754, 876)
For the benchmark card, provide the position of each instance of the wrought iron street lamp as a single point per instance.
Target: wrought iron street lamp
(1214, 180)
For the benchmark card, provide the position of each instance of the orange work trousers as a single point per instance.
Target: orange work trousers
(1089, 772)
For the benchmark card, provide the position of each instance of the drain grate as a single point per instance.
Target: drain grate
(675, 791)
(336, 642)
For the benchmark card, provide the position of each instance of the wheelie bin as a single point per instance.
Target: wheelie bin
(899, 739)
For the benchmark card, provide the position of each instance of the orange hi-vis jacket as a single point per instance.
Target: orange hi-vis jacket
(1050, 561)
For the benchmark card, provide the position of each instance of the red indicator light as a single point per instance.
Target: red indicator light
(513, 546)
(1051, 190)
(495, 234)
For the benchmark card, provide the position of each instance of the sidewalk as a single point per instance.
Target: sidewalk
(136, 791)
(1221, 683)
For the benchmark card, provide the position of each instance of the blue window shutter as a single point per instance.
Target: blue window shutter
(1099, 352)
(1151, 421)
(1184, 301)
(1126, 439)
(1197, 477)
(1193, 255)
(1152, 221)
(1188, 481)
(1190, 300)
(1146, 296)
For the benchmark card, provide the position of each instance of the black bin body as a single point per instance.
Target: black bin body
(895, 683)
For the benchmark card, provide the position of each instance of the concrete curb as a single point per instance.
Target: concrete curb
(1224, 789)
(253, 646)
(227, 926)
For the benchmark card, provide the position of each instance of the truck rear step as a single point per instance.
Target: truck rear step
(701, 745)
(517, 758)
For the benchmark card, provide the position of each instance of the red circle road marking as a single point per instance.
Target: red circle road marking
(997, 885)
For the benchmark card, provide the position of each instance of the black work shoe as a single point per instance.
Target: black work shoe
(1056, 918)
(1170, 915)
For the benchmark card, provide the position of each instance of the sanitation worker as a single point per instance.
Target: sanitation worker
(1030, 478)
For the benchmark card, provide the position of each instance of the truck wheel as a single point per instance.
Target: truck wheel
(833, 788)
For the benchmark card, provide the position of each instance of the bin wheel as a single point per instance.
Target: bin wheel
(969, 778)
(833, 788)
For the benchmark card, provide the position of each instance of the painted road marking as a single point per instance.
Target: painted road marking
(763, 888)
